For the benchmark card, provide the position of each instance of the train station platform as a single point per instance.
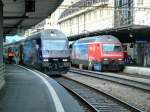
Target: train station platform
(144, 71)
(2, 70)
(30, 91)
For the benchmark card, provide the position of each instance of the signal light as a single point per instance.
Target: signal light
(120, 59)
(105, 59)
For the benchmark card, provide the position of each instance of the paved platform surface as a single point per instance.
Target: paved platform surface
(2, 81)
(25, 92)
(145, 71)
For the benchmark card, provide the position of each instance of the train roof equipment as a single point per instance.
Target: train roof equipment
(100, 38)
(54, 33)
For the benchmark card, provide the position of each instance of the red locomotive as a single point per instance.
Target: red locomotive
(99, 53)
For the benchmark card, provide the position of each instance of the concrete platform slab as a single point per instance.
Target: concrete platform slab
(25, 92)
(145, 71)
(2, 81)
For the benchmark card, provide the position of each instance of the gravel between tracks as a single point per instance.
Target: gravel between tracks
(137, 97)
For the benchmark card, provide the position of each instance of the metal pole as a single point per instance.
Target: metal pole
(2, 81)
(84, 23)
(1, 31)
(70, 27)
(78, 26)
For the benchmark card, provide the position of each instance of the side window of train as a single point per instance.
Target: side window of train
(88, 40)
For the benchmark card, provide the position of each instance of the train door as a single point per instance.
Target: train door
(95, 55)
(97, 52)
(91, 52)
(38, 50)
(35, 51)
(94, 52)
(91, 56)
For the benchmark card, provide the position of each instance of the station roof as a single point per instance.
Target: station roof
(127, 34)
(16, 17)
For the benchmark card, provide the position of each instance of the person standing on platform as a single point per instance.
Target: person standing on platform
(145, 57)
(10, 55)
(16, 56)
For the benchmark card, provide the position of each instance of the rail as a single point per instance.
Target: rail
(99, 100)
(143, 84)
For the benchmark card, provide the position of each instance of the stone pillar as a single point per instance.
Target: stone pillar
(1, 46)
(140, 54)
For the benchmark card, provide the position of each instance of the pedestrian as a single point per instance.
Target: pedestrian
(16, 56)
(10, 55)
(145, 57)
(125, 53)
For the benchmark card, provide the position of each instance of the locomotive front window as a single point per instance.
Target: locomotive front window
(112, 48)
(54, 44)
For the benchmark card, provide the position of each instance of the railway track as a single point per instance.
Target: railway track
(135, 75)
(84, 105)
(96, 99)
(143, 84)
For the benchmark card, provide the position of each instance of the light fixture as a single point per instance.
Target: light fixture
(130, 35)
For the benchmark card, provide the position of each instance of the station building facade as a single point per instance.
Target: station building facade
(135, 13)
(132, 12)
(45, 24)
(87, 16)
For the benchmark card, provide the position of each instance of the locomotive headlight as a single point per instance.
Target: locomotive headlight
(105, 59)
(65, 60)
(120, 59)
(45, 60)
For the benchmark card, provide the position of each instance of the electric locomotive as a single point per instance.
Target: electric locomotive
(100, 53)
(47, 51)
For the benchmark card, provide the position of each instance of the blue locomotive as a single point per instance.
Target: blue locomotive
(47, 51)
